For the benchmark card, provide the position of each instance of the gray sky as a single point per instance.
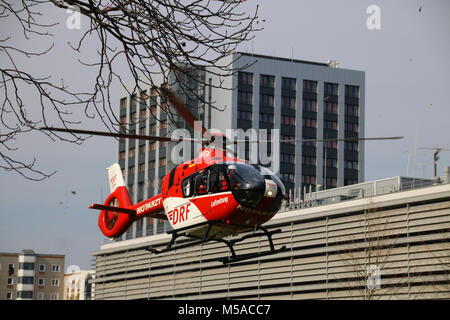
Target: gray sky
(407, 93)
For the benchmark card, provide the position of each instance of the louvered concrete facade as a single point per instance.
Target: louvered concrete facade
(406, 235)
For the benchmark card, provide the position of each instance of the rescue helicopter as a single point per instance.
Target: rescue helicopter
(208, 198)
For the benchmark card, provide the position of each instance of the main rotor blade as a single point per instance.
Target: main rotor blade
(184, 112)
(318, 140)
(121, 135)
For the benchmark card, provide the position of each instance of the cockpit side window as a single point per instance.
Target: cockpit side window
(218, 181)
(188, 187)
(202, 183)
(210, 180)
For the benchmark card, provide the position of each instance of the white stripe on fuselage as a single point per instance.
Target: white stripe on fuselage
(182, 212)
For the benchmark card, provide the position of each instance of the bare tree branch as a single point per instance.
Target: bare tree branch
(172, 38)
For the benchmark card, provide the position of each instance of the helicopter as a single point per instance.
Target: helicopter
(209, 198)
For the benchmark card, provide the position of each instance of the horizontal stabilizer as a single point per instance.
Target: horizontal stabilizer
(155, 215)
(110, 208)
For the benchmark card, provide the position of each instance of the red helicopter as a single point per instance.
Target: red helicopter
(208, 198)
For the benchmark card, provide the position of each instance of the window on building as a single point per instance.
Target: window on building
(330, 124)
(54, 296)
(143, 97)
(245, 97)
(288, 83)
(267, 81)
(287, 177)
(288, 102)
(287, 158)
(142, 115)
(266, 100)
(142, 130)
(162, 162)
(133, 117)
(348, 182)
(352, 91)
(309, 160)
(26, 266)
(352, 110)
(123, 121)
(131, 152)
(287, 139)
(331, 182)
(55, 268)
(25, 280)
(330, 107)
(330, 89)
(41, 282)
(288, 120)
(25, 294)
(351, 127)
(309, 123)
(309, 141)
(142, 167)
(245, 78)
(331, 163)
(244, 115)
(330, 144)
(42, 268)
(131, 171)
(306, 179)
(266, 117)
(310, 86)
(351, 146)
(348, 164)
(123, 104)
(153, 111)
(310, 105)
(152, 146)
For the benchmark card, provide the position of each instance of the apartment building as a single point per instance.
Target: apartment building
(31, 276)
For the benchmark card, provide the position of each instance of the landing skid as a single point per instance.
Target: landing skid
(230, 243)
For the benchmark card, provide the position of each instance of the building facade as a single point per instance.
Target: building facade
(303, 99)
(78, 285)
(387, 239)
(30, 276)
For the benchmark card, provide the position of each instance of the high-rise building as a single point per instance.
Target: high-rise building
(31, 276)
(303, 99)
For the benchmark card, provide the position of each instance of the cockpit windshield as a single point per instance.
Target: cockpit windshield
(246, 182)
(243, 176)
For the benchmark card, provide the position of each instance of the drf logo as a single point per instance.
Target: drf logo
(374, 20)
(179, 214)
